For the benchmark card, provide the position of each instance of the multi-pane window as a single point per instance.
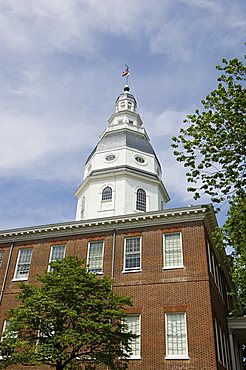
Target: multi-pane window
(141, 200)
(57, 253)
(95, 257)
(10, 334)
(132, 254)
(173, 256)
(82, 207)
(222, 346)
(6, 334)
(176, 336)
(23, 264)
(133, 324)
(107, 193)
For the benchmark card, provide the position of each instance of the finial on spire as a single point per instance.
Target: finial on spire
(126, 73)
(126, 88)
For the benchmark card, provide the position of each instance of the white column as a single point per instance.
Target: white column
(232, 350)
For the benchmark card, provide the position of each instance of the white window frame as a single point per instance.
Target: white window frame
(218, 349)
(88, 256)
(107, 195)
(82, 207)
(181, 265)
(169, 356)
(55, 259)
(5, 324)
(133, 269)
(139, 201)
(12, 334)
(25, 277)
(135, 356)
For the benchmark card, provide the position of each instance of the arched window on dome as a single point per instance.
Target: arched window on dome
(141, 200)
(107, 193)
(82, 207)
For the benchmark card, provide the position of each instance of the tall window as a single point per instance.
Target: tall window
(176, 336)
(57, 253)
(133, 323)
(107, 193)
(132, 254)
(23, 264)
(9, 334)
(141, 200)
(173, 256)
(95, 257)
(82, 207)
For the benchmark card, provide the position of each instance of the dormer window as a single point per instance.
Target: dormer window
(107, 193)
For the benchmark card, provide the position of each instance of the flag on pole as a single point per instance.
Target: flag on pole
(126, 72)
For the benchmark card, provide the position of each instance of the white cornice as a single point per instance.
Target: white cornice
(176, 215)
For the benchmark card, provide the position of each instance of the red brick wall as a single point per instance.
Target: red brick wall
(154, 291)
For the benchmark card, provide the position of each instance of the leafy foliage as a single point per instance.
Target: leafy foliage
(213, 146)
(71, 318)
(233, 234)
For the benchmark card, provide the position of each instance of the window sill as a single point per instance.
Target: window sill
(173, 267)
(126, 271)
(134, 358)
(20, 279)
(107, 209)
(177, 357)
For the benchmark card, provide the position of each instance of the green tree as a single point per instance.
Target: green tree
(212, 148)
(72, 318)
(233, 234)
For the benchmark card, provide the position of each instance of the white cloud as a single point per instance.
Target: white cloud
(26, 141)
(59, 64)
(45, 27)
(167, 123)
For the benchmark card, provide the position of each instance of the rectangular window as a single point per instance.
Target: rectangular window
(133, 323)
(173, 255)
(176, 336)
(1, 258)
(12, 334)
(218, 350)
(5, 325)
(6, 335)
(95, 257)
(132, 254)
(23, 264)
(57, 253)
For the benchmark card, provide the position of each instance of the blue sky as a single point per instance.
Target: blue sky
(61, 64)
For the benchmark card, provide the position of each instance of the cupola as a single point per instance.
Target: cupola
(122, 175)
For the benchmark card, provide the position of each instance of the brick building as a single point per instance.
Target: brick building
(165, 259)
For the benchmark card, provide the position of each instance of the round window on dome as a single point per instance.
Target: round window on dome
(110, 157)
(139, 159)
